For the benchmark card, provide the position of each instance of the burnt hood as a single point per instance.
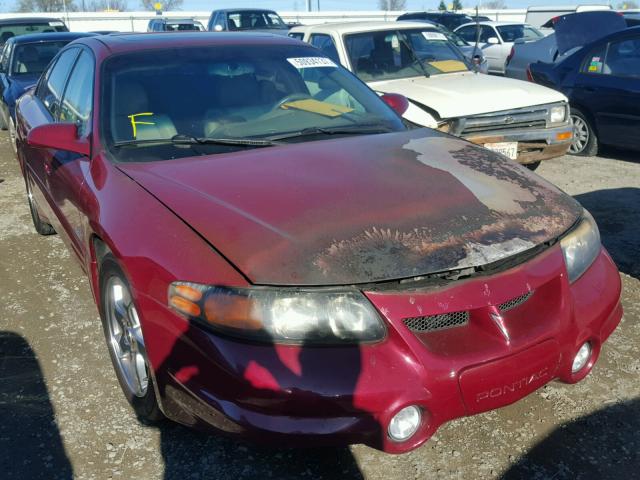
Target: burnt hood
(362, 208)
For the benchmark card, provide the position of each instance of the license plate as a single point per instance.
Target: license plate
(508, 149)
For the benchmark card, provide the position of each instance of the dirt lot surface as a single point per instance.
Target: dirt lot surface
(62, 414)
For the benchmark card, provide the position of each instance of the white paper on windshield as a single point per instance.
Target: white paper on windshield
(56, 24)
(311, 62)
(434, 36)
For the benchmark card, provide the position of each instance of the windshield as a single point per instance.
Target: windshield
(511, 33)
(247, 20)
(33, 58)
(183, 27)
(392, 54)
(15, 30)
(230, 93)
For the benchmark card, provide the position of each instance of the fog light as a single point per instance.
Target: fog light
(405, 423)
(581, 358)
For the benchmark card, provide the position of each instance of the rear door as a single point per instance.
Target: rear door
(609, 86)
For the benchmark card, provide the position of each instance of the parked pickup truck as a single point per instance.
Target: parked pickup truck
(523, 121)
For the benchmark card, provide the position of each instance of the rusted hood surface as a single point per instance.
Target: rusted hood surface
(360, 209)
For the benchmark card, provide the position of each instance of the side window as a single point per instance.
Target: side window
(50, 92)
(486, 33)
(325, 44)
(594, 62)
(623, 58)
(78, 96)
(297, 35)
(468, 34)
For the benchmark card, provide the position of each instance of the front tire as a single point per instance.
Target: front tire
(125, 342)
(585, 141)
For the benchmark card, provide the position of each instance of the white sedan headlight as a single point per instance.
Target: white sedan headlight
(581, 246)
(558, 114)
(281, 315)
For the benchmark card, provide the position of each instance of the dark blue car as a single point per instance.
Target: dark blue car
(22, 61)
(602, 81)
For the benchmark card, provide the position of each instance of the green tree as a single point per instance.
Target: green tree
(443, 6)
(456, 5)
(45, 6)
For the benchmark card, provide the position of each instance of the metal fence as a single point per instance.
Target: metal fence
(137, 21)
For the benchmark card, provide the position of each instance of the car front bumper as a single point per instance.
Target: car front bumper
(534, 144)
(304, 395)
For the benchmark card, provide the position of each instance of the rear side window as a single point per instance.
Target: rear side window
(297, 35)
(326, 45)
(50, 91)
(623, 58)
(77, 101)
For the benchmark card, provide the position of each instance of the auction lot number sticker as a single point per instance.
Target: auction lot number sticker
(311, 62)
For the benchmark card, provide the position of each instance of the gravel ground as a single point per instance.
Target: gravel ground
(62, 414)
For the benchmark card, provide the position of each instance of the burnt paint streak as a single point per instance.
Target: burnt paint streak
(514, 214)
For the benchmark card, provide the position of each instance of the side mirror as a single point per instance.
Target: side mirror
(217, 28)
(59, 136)
(493, 41)
(399, 103)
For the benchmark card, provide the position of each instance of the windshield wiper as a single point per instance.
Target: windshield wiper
(188, 140)
(414, 55)
(356, 130)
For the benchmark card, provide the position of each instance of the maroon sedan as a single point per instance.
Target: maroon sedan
(275, 255)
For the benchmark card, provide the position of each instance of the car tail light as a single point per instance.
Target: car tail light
(529, 75)
(511, 54)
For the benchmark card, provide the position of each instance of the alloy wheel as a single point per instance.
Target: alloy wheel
(125, 337)
(580, 135)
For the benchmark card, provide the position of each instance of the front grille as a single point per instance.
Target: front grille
(507, 120)
(437, 322)
(492, 128)
(514, 302)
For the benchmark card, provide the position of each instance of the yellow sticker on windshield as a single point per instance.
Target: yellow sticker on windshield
(447, 66)
(135, 122)
(316, 106)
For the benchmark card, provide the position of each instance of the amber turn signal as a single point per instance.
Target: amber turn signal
(184, 306)
(564, 136)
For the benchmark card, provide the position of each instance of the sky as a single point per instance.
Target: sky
(291, 5)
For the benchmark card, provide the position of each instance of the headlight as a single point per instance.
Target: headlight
(281, 315)
(558, 114)
(581, 246)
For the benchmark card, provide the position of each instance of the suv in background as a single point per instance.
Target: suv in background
(448, 20)
(174, 25)
(243, 19)
(14, 27)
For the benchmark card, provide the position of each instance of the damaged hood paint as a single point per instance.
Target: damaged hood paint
(456, 95)
(360, 209)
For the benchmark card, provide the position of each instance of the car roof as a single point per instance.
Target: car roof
(244, 10)
(22, 20)
(358, 27)
(444, 14)
(180, 20)
(131, 42)
(48, 37)
(493, 23)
